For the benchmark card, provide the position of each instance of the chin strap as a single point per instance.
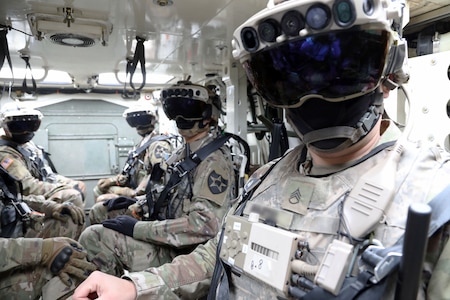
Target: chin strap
(352, 134)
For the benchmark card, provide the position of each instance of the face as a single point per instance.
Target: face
(189, 129)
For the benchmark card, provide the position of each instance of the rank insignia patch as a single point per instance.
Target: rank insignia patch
(216, 183)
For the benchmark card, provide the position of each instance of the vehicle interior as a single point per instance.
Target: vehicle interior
(71, 60)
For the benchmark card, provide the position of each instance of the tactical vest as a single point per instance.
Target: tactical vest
(311, 207)
(35, 164)
(178, 199)
(12, 211)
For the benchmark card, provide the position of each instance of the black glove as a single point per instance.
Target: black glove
(118, 203)
(123, 224)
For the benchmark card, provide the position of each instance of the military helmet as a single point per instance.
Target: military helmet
(333, 50)
(20, 120)
(140, 115)
(191, 102)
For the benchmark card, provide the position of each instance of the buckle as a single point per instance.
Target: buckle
(378, 265)
(180, 170)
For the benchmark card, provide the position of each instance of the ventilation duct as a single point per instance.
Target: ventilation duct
(70, 27)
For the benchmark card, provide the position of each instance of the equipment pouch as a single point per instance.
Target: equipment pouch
(10, 228)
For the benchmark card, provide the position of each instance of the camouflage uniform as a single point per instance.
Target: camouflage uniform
(156, 153)
(193, 216)
(307, 201)
(21, 274)
(50, 176)
(22, 169)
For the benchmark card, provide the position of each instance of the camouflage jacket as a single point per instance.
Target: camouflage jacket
(310, 207)
(136, 172)
(14, 162)
(196, 206)
(19, 252)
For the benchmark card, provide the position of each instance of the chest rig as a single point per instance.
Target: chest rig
(247, 237)
(35, 163)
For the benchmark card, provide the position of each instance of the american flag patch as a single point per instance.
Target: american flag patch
(6, 162)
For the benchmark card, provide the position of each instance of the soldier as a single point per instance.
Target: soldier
(329, 64)
(38, 252)
(19, 125)
(190, 208)
(116, 193)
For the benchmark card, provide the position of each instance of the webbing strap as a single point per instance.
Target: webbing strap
(183, 167)
(138, 58)
(4, 50)
(26, 58)
(280, 141)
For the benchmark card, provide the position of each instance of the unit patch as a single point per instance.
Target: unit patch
(216, 183)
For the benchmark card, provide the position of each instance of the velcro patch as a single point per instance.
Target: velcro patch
(216, 183)
(6, 162)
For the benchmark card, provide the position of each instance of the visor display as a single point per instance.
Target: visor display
(188, 109)
(22, 124)
(136, 119)
(335, 66)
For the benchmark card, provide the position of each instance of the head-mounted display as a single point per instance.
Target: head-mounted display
(20, 120)
(190, 102)
(328, 49)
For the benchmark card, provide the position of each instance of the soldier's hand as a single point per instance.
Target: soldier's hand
(105, 183)
(118, 203)
(66, 258)
(123, 224)
(125, 191)
(136, 211)
(64, 211)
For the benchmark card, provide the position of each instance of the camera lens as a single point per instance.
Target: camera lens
(318, 16)
(344, 13)
(292, 22)
(269, 30)
(249, 39)
(368, 7)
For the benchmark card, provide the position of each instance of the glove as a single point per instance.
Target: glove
(66, 258)
(118, 203)
(105, 183)
(122, 224)
(62, 211)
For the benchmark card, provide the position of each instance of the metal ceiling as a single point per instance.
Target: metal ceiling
(183, 37)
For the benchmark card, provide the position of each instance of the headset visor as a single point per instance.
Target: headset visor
(139, 118)
(186, 108)
(23, 124)
(334, 66)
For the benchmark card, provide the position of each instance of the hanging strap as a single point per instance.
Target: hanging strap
(181, 169)
(4, 50)
(139, 58)
(280, 141)
(27, 90)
